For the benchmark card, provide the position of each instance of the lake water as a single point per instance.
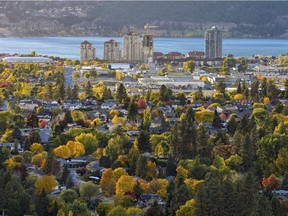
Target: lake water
(69, 47)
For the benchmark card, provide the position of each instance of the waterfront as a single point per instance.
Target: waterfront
(68, 47)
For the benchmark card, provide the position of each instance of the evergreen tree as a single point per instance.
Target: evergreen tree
(137, 189)
(216, 120)
(16, 134)
(68, 91)
(171, 166)
(174, 142)
(61, 90)
(154, 210)
(121, 94)
(50, 91)
(88, 89)
(264, 87)
(69, 182)
(246, 152)
(276, 206)
(68, 117)
(65, 174)
(142, 167)
(232, 126)
(263, 207)
(75, 91)
(181, 195)
(204, 149)
(132, 110)
(254, 92)
(49, 165)
(41, 204)
(55, 209)
(239, 89)
(32, 120)
(143, 142)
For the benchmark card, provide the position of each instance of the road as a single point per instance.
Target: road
(68, 76)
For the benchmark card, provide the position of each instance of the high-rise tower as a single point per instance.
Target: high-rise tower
(213, 43)
(87, 52)
(112, 51)
(131, 48)
(147, 48)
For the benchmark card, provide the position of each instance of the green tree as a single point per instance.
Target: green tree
(132, 111)
(121, 94)
(68, 195)
(143, 142)
(41, 204)
(142, 167)
(75, 91)
(204, 149)
(189, 66)
(88, 89)
(147, 119)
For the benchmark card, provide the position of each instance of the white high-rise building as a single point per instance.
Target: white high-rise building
(131, 48)
(147, 48)
(87, 51)
(213, 43)
(112, 51)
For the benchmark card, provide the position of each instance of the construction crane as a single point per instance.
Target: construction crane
(147, 27)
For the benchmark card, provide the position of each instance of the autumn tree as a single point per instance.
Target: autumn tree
(107, 182)
(125, 184)
(88, 189)
(36, 148)
(76, 148)
(89, 141)
(62, 151)
(46, 183)
(189, 66)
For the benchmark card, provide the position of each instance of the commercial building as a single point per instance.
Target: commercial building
(112, 51)
(147, 48)
(87, 51)
(213, 43)
(131, 48)
(27, 60)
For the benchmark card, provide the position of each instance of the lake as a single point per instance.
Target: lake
(69, 47)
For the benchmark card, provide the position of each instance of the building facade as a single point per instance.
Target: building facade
(147, 49)
(131, 48)
(112, 51)
(213, 43)
(87, 51)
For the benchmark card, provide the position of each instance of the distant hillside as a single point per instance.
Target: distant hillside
(187, 19)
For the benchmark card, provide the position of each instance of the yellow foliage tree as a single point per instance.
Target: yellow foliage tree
(63, 152)
(152, 169)
(239, 97)
(266, 100)
(125, 184)
(118, 172)
(181, 173)
(37, 160)
(115, 119)
(107, 182)
(48, 183)
(36, 148)
(188, 209)
(14, 162)
(193, 183)
(76, 149)
(112, 113)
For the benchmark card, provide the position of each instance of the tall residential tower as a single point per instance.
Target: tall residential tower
(213, 43)
(112, 51)
(131, 48)
(147, 48)
(87, 52)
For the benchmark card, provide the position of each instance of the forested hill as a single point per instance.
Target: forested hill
(238, 19)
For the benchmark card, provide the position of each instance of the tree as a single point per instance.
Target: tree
(220, 87)
(232, 125)
(121, 93)
(65, 174)
(143, 142)
(189, 209)
(107, 182)
(88, 89)
(141, 104)
(75, 91)
(32, 121)
(41, 204)
(88, 189)
(36, 148)
(132, 111)
(189, 66)
(46, 183)
(125, 184)
(76, 148)
(204, 149)
(16, 134)
(137, 190)
(89, 141)
(63, 152)
(147, 119)
(68, 117)
(216, 120)
(142, 167)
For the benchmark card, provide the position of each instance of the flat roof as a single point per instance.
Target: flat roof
(26, 59)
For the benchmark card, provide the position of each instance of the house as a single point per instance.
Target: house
(51, 106)
(30, 105)
(108, 105)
